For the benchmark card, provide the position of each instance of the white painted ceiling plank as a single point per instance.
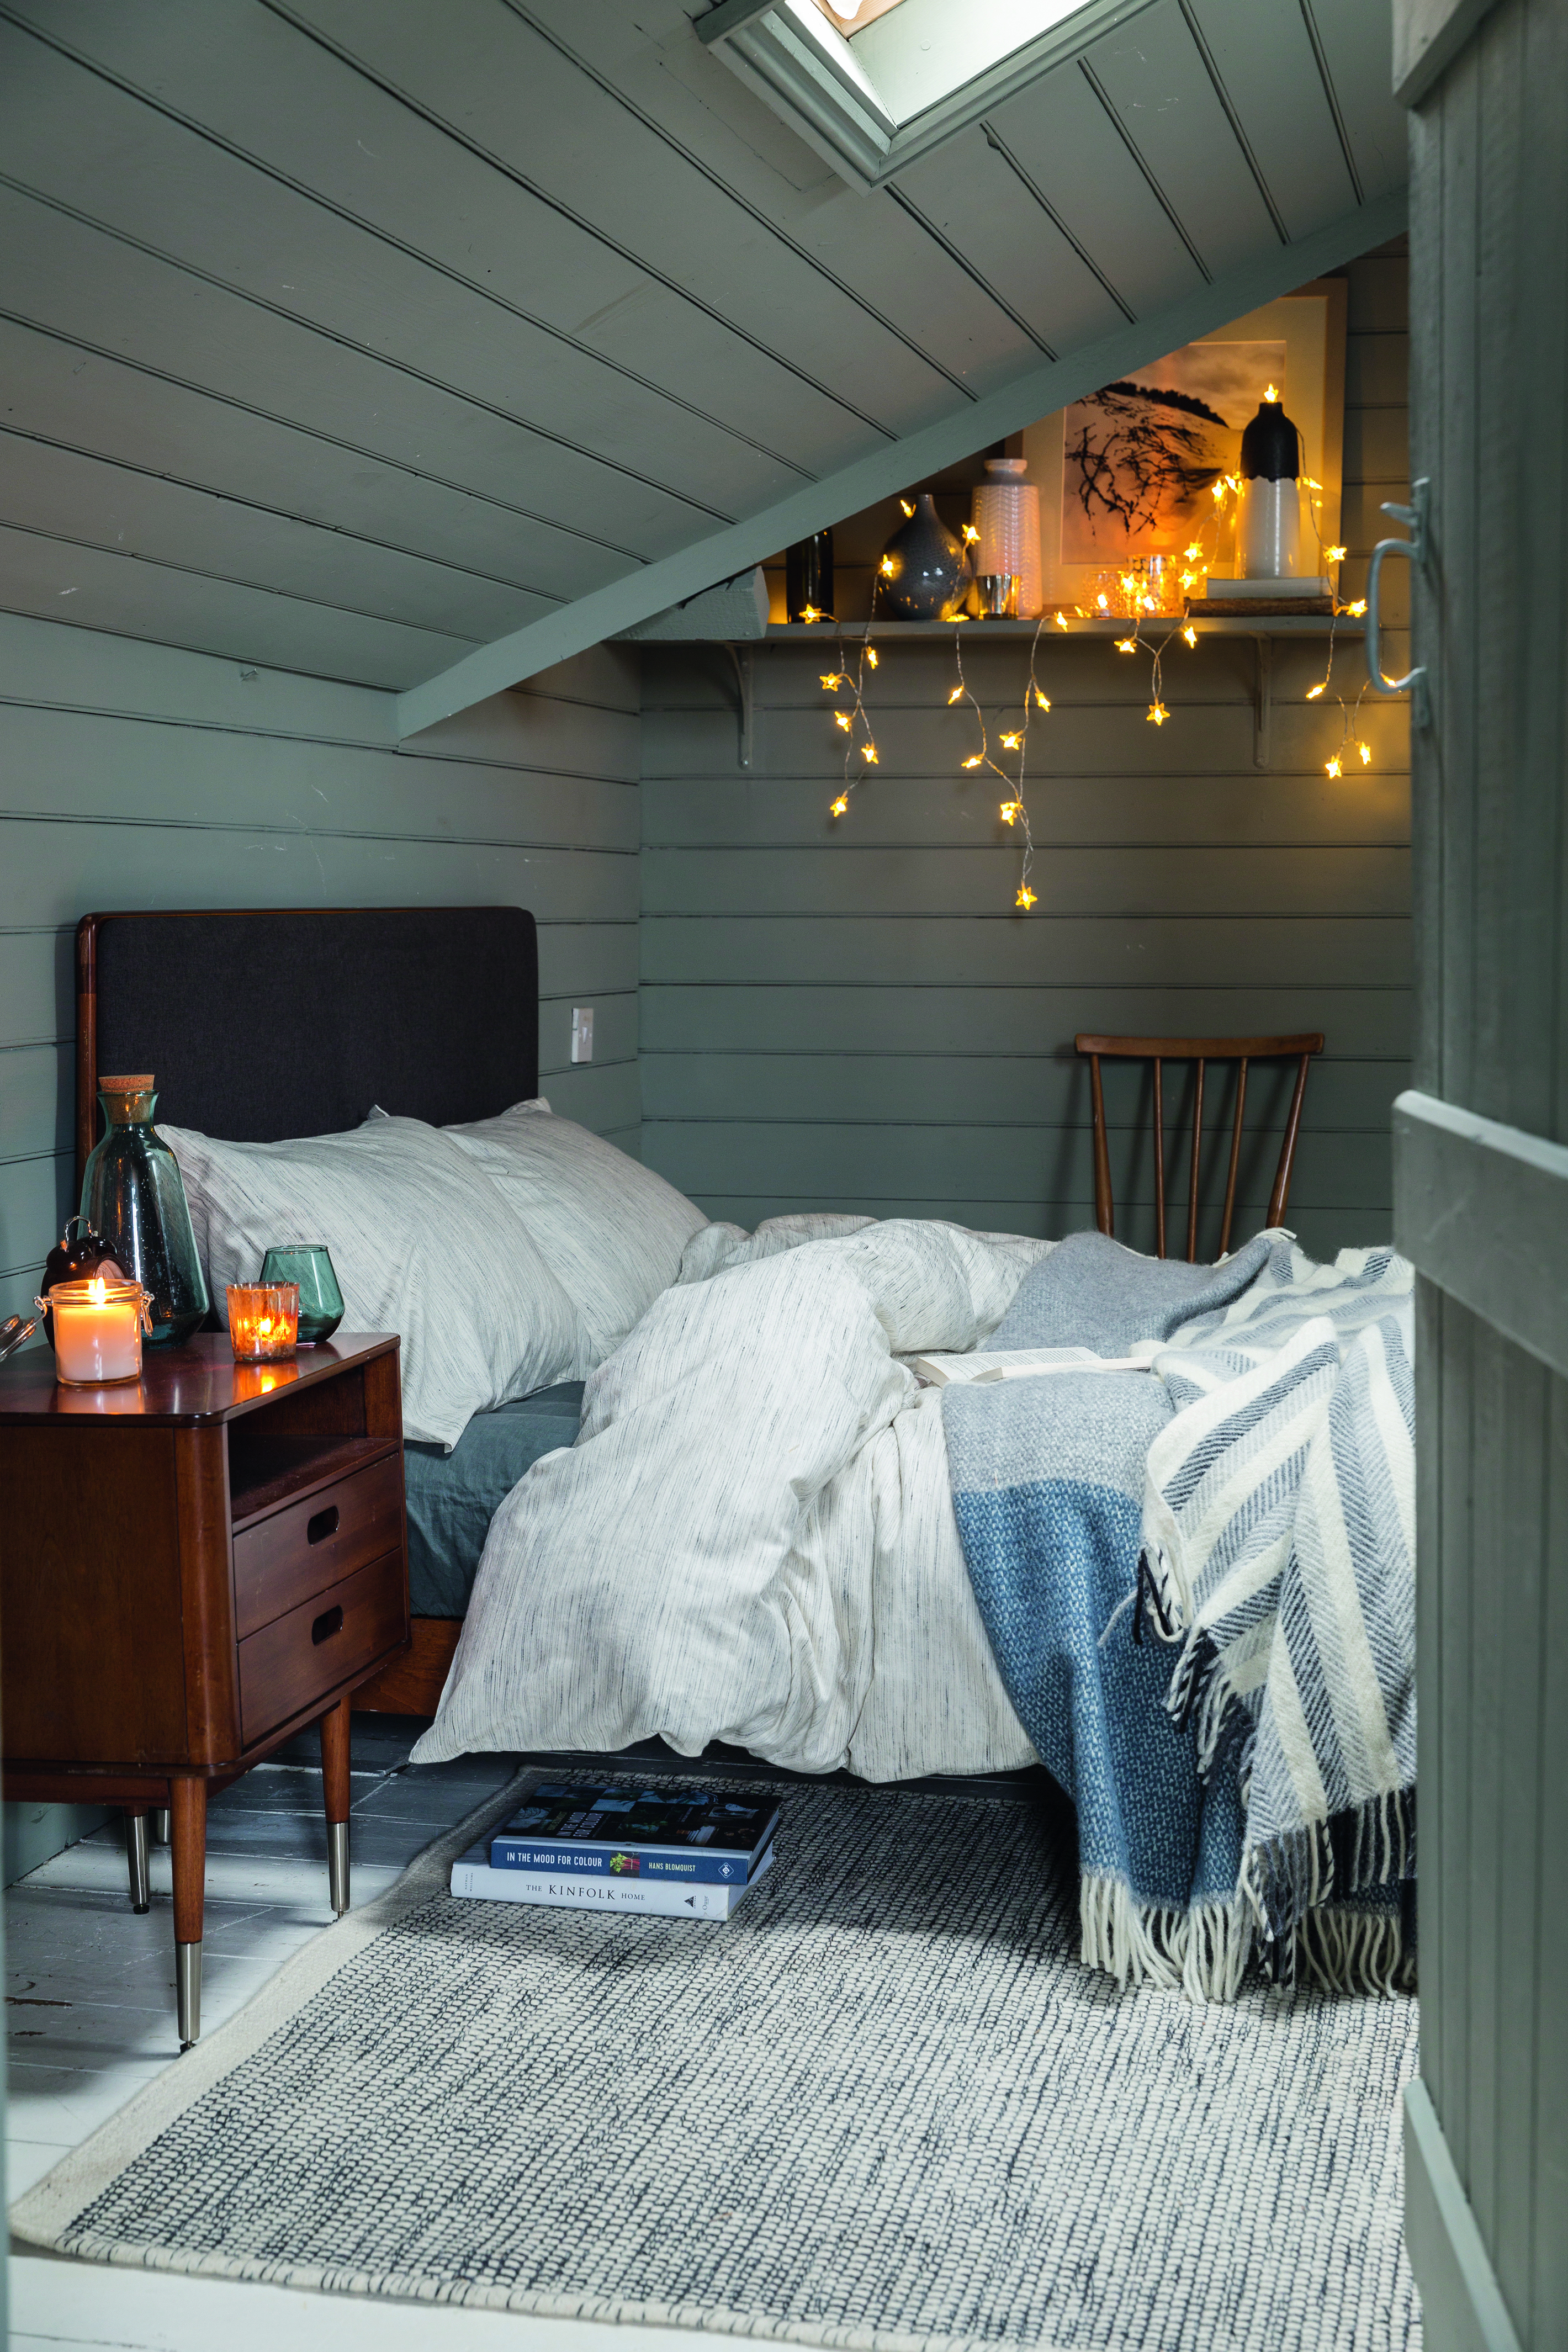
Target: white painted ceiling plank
(1358, 49)
(1061, 135)
(75, 278)
(96, 590)
(75, 137)
(511, 92)
(94, 503)
(1265, 61)
(971, 196)
(294, 107)
(1166, 100)
(1037, 393)
(54, 391)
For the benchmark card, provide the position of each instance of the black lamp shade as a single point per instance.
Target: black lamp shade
(1270, 446)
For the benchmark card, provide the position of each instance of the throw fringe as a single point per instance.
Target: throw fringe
(1202, 1952)
(1355, 1951)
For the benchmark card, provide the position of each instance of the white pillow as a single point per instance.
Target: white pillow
(611, 1230)
(422, 1244)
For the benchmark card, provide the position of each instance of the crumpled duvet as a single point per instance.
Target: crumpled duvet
(752, 1539)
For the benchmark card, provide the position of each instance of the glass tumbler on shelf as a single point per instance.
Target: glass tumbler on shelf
(132, 1196)
(309, 1265)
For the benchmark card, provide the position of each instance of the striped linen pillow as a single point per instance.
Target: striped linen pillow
(611, 1229)
(423, 1244)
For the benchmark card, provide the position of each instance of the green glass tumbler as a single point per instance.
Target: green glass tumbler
(321, 1301)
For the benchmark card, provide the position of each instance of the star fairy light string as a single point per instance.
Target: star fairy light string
(1014, 808)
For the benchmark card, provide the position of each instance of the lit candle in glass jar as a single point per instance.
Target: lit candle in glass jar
(98, 1330)
(263, 1319)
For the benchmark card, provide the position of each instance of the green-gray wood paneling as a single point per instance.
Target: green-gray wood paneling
(1489, 350)
(138, 776)
(851, 1014)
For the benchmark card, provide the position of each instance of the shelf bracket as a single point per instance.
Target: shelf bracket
(744, 660)
(1262, 700)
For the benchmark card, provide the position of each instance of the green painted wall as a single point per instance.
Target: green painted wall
(133, 775)
(852, 1014)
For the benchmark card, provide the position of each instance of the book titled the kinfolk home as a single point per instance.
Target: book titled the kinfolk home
(675, 1835)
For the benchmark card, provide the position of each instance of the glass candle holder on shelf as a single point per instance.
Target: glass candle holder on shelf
(263, 1320)
(309, 1265)
(97, 1328)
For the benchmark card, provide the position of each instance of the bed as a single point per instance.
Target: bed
(749, 1523)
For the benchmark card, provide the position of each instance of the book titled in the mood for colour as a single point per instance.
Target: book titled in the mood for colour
(686, 1835)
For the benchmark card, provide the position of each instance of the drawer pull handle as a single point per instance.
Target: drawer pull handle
(329, 1623)
(324, 1525)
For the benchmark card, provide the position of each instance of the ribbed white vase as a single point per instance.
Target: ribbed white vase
(1006, 514)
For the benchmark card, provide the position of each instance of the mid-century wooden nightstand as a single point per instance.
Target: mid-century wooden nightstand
(194, 1566)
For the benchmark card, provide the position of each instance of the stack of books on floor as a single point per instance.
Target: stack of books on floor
(678, 1853)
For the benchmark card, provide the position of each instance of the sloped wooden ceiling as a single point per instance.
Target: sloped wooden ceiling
(410, 341)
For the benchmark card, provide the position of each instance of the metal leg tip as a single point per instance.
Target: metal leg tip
(338, 1865)
(139, 1867)
(188, 1992)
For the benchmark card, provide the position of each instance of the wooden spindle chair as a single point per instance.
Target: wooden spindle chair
(1200, 1050)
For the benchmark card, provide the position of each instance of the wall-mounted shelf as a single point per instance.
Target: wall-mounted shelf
(1262, 624)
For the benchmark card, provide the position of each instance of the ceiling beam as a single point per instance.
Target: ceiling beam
(522, 653)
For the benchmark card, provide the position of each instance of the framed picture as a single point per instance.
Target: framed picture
(1124, 474)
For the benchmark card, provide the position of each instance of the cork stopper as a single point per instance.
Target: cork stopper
(143, 1085)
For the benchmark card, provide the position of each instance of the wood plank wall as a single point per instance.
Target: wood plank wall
(1490, 206)
(854, 1016)
(134, 775)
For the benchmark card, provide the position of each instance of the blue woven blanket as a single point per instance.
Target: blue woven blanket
(1050, 1483)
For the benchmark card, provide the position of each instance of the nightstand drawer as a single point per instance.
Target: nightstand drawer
(307, 1546)
(327, 1637)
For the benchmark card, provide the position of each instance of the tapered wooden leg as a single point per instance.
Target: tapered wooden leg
(136, 1855)
(336, 1794)
(188, 1826)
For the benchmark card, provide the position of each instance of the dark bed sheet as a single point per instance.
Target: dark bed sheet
(452, 1497)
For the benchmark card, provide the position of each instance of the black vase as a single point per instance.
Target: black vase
(924, 574)
(808, 578)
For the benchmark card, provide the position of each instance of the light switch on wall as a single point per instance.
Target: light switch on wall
(582, 1033)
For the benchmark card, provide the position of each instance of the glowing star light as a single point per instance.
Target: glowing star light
(1026, 898)
(1313, 691)
(957, 694)
(1126, 644)
(1334, 767)
(840, 807)
(868, 752)
(1273, 395)
(1061, 620)
(872, 656)
(1357, 609)
(1193, 553)
(1158, 714)
(1009, 811)
(1365, 750)
(1043, 699)
(886, 567)
(1009, 743)
(831, 681)
(971, 536)
(974, 761)
(1333, 555)
(908, 505)
(841, 718)
(1190, 634)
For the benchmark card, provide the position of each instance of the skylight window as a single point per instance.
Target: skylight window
(874, 85)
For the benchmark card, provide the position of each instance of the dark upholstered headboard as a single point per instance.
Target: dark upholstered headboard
(278, 1022)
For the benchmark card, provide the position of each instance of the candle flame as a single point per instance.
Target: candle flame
(1272, 394)
(96, 1290)
(263, 1326)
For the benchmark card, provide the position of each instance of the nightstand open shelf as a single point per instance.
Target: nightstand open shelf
(197, 1565)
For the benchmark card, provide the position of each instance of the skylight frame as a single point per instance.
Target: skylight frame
(809, 75)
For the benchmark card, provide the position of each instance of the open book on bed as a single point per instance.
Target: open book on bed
(1026, 1363)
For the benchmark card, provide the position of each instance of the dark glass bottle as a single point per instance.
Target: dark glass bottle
(808, 578)
(132, 1196)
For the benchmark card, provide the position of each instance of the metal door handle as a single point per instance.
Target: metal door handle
(1414, 682)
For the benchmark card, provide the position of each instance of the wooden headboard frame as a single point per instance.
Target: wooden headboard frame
(261, 1023)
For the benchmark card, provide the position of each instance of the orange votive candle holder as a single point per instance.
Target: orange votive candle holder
(263, 1320)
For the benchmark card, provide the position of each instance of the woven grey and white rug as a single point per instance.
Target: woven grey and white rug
(882, 2106)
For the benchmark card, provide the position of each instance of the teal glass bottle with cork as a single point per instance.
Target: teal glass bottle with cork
(132, 1196)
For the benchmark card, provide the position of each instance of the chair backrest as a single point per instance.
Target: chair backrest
(1200, 1050)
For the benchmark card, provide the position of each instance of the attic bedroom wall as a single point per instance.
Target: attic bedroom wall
(852, 1016)
(135, 775)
